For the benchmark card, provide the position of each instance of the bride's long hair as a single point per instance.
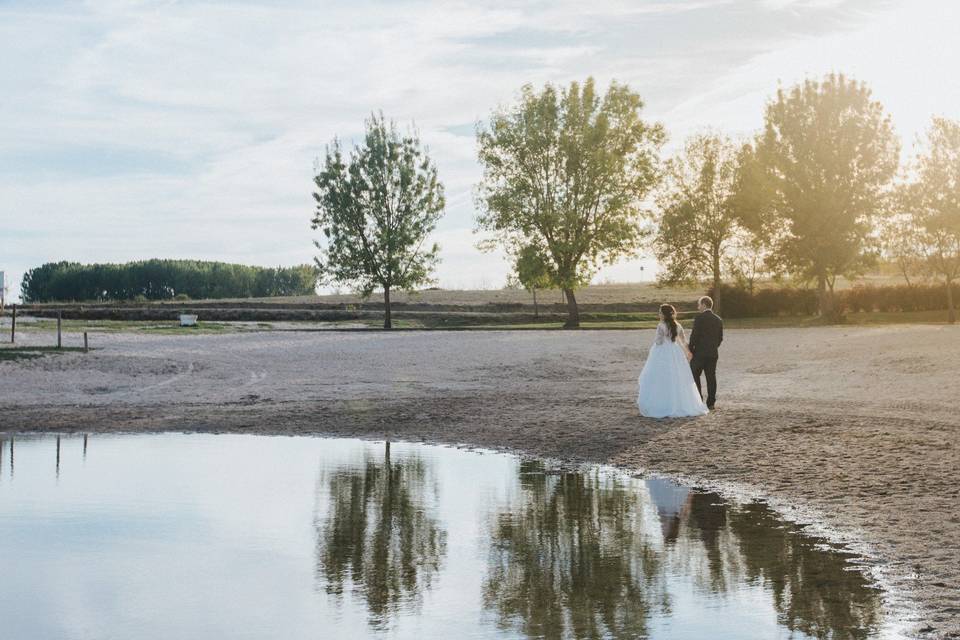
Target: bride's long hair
(670, 318)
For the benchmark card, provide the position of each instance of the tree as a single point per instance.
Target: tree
(564, 172)
(697, 222)
(934, 199)
(746, 262)
(901, 240)
(816, 177)
(376, 210)
(533, 272)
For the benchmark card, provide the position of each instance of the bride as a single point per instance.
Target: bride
(667, 388)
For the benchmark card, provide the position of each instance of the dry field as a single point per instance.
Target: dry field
(624, 293)
(613, 293)
(853, 428)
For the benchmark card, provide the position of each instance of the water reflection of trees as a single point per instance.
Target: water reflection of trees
(568, 561)
(378, 537)
(815, 591)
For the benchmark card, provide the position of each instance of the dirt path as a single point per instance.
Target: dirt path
(856, 427)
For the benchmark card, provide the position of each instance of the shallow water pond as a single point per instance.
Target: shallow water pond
(222, 536)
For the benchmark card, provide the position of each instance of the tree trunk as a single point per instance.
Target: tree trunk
(717, 293)
(573, 312)
(904, 271)
(825, 299)
(536, 310)
(387, 321)
(951, 310)
(717, 296)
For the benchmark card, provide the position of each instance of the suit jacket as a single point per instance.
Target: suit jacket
(706, 335)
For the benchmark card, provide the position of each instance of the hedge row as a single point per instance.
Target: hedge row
(162, 280)
(789, 301)
(917, 297)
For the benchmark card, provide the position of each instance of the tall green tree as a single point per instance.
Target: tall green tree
(696, 220)
(565, 171)
(376, 210)
(816, 178)
(934, 200)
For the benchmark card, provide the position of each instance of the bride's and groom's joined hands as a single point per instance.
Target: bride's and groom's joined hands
(667, 389)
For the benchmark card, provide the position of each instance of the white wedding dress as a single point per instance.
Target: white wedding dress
(666, 386)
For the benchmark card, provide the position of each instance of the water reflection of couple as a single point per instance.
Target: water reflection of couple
(666, 389)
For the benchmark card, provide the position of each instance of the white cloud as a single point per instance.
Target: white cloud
(189, 129)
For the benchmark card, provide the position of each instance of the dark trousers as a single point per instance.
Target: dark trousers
(700, 365)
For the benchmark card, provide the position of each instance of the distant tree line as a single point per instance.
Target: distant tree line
(162, 280)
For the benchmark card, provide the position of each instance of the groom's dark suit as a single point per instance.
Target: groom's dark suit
(705, 339)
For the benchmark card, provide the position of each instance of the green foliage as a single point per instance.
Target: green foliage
(816, 177)
(697, 222)
(934, 201)
(376, 210)
(533, 269)
(162, 280)
(565, 171)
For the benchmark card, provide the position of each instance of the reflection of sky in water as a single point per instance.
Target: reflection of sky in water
(199, 536)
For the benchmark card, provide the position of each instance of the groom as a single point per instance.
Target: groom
(705, 339)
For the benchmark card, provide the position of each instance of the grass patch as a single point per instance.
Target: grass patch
(127, 326)
(200, 327)
(798, 322)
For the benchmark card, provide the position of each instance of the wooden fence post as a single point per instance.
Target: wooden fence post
(13, 325)
(85, 346)
(59, 334)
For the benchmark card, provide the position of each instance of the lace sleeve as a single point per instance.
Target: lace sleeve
(662, 334)
(681, 336)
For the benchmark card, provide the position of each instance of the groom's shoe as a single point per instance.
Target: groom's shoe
(710, 405)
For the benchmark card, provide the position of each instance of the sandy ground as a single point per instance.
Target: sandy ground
(855, 428)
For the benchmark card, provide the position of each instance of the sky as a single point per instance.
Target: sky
(186, 129)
